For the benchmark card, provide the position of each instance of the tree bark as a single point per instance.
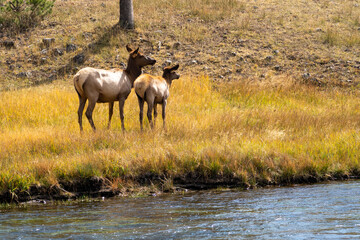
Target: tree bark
(126, 14)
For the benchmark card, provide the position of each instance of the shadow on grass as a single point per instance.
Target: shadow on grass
(91, 49)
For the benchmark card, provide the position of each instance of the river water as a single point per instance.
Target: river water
(320, 211)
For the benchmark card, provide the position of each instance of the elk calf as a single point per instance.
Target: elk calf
(154, 90)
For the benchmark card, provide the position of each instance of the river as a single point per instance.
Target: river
(320, 211)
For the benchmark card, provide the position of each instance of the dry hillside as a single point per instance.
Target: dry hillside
(314, 42)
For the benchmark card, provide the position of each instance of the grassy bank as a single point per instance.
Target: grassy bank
(269, 94)
(242, 134)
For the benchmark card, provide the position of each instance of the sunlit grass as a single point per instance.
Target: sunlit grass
(249, 132)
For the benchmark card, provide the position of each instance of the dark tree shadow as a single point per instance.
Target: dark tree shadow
(92, 48)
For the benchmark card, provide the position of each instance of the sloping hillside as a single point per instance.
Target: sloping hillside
(314, 42)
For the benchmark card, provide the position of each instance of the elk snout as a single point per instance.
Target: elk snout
(151, 60)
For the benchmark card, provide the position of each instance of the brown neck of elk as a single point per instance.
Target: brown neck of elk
(132, 70)
(166, 76)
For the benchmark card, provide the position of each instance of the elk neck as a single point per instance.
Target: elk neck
(132, 70)
(167, 79)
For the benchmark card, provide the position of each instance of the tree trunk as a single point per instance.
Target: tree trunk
(126, 14)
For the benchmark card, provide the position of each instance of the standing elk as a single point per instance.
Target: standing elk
(154, 90)
(98, 85)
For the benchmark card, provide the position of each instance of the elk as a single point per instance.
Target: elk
(154, 90)
(108, 86)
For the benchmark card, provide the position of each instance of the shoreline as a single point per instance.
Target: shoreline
(99, 187)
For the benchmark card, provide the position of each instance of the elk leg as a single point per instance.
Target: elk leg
(121, 107)
(89, 112)
(111, 108)
(80, 111)
(155, 113)
(164, 112)
(141, 114)
(149, 113)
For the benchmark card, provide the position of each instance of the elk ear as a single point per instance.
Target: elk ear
(167, 69)
(128, 48)
(175, 67)
(136, 51)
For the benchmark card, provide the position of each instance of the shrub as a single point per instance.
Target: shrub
(20, 15)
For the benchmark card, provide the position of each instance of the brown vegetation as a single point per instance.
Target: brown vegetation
(313, 42)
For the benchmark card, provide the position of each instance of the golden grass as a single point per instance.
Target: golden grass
(250, 131)
(255, 133)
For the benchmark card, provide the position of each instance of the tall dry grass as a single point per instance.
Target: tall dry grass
(254, 133)
(273, 131)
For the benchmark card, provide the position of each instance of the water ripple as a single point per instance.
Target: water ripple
(320, 211)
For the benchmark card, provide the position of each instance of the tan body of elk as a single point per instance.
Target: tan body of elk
(154, 90)
(98, 85)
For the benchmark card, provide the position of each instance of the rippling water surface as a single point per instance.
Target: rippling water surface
(321, 211)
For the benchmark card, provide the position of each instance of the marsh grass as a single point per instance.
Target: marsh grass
(250, 132)
(246, 131)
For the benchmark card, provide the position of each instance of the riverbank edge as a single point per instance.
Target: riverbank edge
(96, 187)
